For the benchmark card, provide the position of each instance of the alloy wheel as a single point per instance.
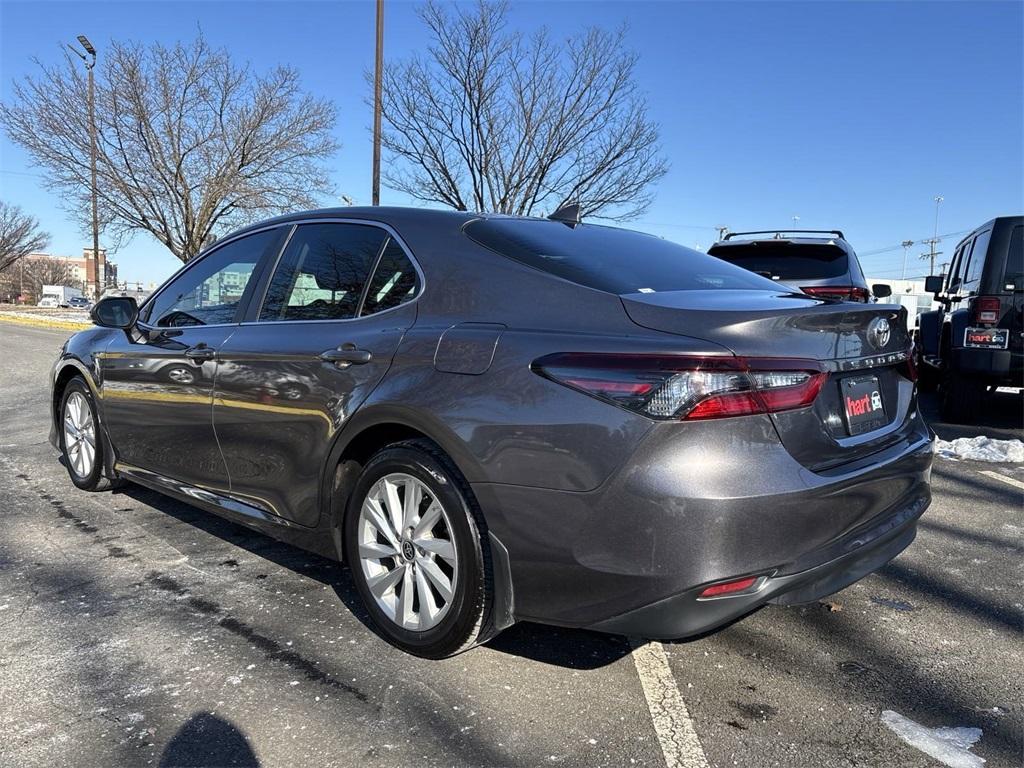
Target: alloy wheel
(181, 375)
(407, 552)
(79, 435)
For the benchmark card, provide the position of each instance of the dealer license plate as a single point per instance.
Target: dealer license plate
(986, 338)
(862, 401)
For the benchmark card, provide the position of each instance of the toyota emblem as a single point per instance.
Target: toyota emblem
(879, 332)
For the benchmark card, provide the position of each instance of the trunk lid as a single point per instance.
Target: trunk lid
(846, 337)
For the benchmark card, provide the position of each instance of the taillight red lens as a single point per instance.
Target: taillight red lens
(686, 387)
(841, 292)
(986, 310)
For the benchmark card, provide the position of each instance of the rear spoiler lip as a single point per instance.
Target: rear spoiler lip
(779, 232)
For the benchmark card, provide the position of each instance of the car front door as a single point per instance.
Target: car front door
(335, 310)
(157, 380)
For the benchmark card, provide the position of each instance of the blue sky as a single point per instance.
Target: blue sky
(847, 114)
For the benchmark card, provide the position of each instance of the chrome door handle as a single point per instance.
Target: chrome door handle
(200, 352)
(346, 354)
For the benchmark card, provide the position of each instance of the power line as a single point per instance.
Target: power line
(891, 248)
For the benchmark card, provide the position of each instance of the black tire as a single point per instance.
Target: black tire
(962, 398)
(467, 621)
(93, 480)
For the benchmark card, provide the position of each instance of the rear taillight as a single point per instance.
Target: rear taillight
(841, 292)
(685, 387)
(986, 309)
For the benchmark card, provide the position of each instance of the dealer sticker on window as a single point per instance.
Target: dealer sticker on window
(986, 338)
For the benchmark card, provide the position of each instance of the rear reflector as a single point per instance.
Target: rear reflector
(685, 387)
(986, 309)
(728, 587)
(841, 292)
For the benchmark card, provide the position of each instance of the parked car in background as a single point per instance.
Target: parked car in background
(819, 263)
(494, 418)
(79, 302)
(974, 342)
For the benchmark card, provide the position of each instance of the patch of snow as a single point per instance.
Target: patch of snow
(981, 448)
(947, 745)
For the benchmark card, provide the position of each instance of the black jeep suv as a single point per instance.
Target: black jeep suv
(975, 341)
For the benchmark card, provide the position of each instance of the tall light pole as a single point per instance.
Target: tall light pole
(796, 220)
(378, 72)
(906, 245)
(90, 63)
(938, 199)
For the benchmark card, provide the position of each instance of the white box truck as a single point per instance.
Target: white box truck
(58, 295)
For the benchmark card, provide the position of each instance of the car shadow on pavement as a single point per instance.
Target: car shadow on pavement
(207, 739)
(556, 646)
(1001, 418)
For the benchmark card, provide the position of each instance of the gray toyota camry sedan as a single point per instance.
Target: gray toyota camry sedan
(494, 419)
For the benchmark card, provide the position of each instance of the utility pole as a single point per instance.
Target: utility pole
(722, 232)
(796, 220)
(378, 72)
(90, 63)
(932, 253)
(906, 246)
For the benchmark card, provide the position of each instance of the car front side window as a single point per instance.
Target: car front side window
(210, 292)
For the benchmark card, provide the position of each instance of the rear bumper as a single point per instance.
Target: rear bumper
(993, 366)
(685, 614)
(699, 504)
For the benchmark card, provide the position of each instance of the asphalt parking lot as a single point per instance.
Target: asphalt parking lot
(135, 630)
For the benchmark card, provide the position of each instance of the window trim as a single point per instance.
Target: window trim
(252, 316)
(243, 304)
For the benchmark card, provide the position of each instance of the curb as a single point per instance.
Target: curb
(40, 322)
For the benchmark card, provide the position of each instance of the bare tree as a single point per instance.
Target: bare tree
(490, 120)
(190, 143)
(31, 274)
(19, 235)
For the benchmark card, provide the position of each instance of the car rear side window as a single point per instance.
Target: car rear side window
(972, 276)
(209, 292)
(394, 281)
(322, 272)
(609, 259)
(1013, 275)
(787, 261)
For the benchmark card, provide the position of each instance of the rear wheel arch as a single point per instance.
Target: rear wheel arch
(357, 444)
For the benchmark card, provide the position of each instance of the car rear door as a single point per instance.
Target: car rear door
(335, 309)
(157, 381)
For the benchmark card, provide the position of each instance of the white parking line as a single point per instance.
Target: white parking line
(672, 723)
(1008, 480)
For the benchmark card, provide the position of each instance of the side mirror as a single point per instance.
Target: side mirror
(933, 284)
(881, 290)
(115, 312)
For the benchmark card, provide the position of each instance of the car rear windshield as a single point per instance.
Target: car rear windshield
(787, 261)
(1013, 275)
(615, 260)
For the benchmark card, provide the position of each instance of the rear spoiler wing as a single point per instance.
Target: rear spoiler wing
(779, 233)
